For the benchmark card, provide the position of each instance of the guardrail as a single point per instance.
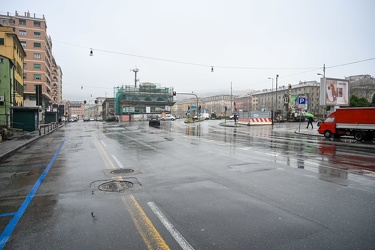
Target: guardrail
(47, 127)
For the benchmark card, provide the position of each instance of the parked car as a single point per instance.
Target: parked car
(112, 119)
(86, 119)
(168, 117)
(154, 120)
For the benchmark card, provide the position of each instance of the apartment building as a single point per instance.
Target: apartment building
(268, 99)
(12, 57)
(41, 71)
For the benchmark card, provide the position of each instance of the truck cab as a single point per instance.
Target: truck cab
(328, 126)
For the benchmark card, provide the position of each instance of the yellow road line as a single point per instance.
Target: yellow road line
(104, 155)
(146, 229)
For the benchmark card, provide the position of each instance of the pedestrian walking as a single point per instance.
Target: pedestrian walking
(309, 121)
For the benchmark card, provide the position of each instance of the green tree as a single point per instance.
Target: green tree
(356, 101)
(372, 104)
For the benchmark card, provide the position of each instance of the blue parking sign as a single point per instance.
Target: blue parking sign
(301, 100)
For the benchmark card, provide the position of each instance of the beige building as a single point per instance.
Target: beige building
(40, 67)
(267, 100)
(212, 104)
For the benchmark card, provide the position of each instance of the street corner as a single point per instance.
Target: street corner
(229, 124)
(307, 131)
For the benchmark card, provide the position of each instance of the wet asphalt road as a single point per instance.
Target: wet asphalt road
(93, 185)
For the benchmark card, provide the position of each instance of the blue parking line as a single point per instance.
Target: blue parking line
(7, 214)
(17, 216)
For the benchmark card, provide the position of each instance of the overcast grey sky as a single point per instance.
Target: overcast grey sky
(175, 42)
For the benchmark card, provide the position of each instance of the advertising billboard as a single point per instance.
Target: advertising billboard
(334, 92)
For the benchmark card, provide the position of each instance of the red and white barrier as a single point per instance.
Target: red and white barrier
(260, 121)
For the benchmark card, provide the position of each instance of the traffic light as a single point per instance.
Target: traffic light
(226, 108)
(84, 101)
(96, 101)
(174, 93)
(200, 107)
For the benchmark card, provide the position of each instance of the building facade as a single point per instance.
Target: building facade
(12, 57)
(75, 108)
(41, 71)
(285, 97)
(362, 86)
(212, 104)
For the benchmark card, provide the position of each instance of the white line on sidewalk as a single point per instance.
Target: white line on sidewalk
(172, 230)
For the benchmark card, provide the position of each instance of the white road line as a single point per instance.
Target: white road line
(272, 154)
(172, 230)
(105, 145)
(117, 161)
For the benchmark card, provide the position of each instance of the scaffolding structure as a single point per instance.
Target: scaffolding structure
(148, 98)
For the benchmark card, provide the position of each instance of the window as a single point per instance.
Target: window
(37, 77)
(37, 66)
(22, 22)
(22, 32)
(37, 56)
(36, 23)
(24, 65)
(23, 44)
(1, 41)
(36, 34)
(37, 45)
(24, 76)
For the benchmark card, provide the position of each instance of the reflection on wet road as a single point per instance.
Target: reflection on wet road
(199, 185)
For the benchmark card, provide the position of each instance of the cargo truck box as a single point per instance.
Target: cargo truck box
(357, 122)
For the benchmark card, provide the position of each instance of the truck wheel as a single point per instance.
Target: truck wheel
(327, 134)
(358, 135)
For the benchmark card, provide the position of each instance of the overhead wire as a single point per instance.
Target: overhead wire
(211, 66)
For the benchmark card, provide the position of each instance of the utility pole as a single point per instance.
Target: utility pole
(324, 84)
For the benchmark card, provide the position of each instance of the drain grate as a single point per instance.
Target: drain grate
(122, 171)
(115, 186)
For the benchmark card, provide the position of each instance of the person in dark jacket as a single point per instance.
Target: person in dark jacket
(309, 121)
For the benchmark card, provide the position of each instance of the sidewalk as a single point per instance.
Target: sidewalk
(17, 141)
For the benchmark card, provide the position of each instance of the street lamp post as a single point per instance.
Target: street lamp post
(271, 97)
(324, 81)
(277, 76)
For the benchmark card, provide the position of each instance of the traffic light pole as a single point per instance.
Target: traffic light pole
(193, 95)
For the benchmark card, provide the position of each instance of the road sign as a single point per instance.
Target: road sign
(301, 100)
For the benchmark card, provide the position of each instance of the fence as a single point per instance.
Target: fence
(49, 127)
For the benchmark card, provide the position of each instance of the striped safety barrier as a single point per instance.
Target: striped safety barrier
(260, 121)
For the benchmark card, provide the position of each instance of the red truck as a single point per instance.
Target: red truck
(357, 122)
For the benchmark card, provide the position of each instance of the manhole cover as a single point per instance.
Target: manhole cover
(122, 171)
(115, 186)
